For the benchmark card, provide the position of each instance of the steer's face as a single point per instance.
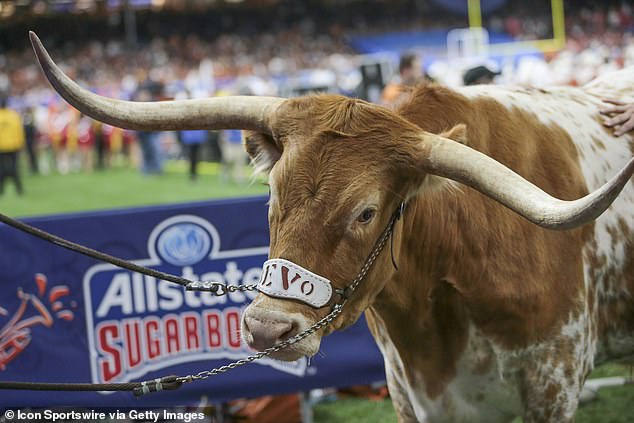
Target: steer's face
(336, 176)
(338, 169)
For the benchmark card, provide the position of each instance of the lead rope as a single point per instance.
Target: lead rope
(216, 288)
(98, 255)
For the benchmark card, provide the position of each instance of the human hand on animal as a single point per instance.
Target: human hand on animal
(619, 115)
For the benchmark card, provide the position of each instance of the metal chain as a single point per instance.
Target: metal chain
(292, 340)
(218, 289)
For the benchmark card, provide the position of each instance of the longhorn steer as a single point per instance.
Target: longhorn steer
(488, 315)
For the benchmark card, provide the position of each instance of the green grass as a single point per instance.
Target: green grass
(614, 405)
(116, 188)
(353, 410)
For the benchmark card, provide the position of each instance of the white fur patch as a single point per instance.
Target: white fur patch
(486, 393)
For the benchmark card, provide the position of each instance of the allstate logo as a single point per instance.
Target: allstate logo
(184, 244)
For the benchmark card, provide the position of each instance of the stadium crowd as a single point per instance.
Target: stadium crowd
(185, 56)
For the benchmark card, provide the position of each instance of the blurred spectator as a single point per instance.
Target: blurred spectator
(119, 148)
(30, 135)
(149, 142)
(215, 151)
(85, 143)
(11, 142)
(99, 143)
(183, 52)
(76, 144)
(479, 75)
(192, 140)
(233, 154)
(410, 73)
(151, 161)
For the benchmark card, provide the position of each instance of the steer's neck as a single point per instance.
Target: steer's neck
(420, 312)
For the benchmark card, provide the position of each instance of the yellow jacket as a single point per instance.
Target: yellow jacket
(11, 131)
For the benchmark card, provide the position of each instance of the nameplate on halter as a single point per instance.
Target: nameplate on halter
(285, 279)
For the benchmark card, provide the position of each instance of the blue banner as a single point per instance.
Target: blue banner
(68, 318)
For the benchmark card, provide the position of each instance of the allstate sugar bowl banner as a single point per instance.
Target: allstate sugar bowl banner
(68, 318)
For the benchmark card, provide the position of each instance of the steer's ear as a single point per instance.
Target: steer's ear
(264, 151)
(457, 133)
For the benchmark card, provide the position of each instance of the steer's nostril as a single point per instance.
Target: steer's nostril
(262, 334)
(292, 331)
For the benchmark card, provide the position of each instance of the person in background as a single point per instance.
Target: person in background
(192, 140)
(11, 142)
(152, 162)
(618, 115)
(234, 157)
(213, 143)
(78, 142)
(410, 73)
(85, 144)
(30, 133)
(100, 145)
(54, 127)
(479, 75)
(150, 152)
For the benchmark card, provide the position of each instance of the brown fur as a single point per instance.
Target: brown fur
(465, 259)
(520, 293)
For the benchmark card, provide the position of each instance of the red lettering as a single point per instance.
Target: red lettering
(310, 288)
(110, 364)
(265, 276)
(192, 337)
(171, 334)
(132, 342)
(232, 318)
(214, 338)
(285, 282)
(152, 340)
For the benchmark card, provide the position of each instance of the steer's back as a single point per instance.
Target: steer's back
(609, 252)
(522, 310)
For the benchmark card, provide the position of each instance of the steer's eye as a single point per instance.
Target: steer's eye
(366, 215)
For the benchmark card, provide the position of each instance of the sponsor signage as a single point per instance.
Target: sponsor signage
(68, 318)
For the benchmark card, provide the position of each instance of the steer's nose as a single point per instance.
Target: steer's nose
(262, 334)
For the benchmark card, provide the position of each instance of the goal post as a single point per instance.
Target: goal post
(557, 42)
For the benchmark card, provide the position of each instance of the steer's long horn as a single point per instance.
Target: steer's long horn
(237, 112)
(448, 158)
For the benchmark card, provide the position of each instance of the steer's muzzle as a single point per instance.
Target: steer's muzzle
(263, 328)
(275, 315)
(263, 334)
